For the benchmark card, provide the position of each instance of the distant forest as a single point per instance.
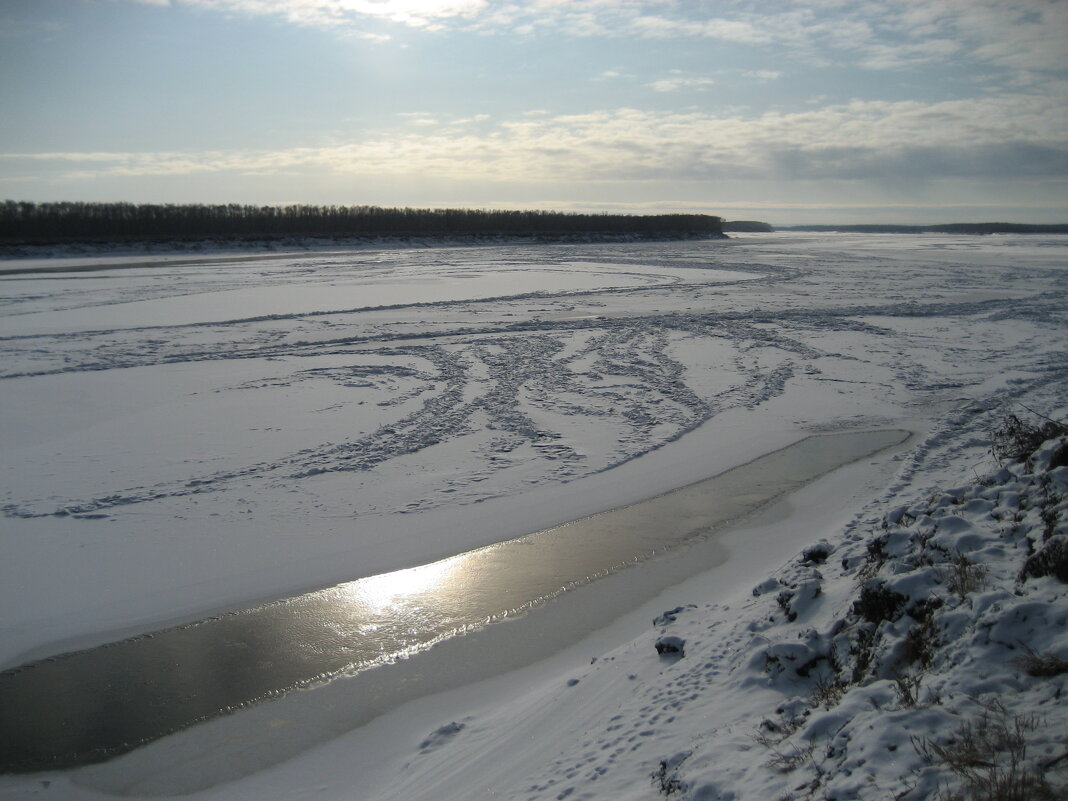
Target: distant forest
(948, 228)
(48, 223)
(747, 226)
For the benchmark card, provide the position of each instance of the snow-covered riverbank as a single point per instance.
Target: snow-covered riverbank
(918, 610)
(916, 648)
(153, 471)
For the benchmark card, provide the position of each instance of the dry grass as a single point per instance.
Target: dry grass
(963, 576)
(1041, 665)
(789, 761)
(988, 758)
(907, 686)
(827, 692)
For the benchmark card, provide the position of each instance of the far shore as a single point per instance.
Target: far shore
(173, 253)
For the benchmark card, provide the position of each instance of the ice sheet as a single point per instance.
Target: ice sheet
(156, 472)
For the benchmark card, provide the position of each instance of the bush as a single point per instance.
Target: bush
(874, 559)
(1059, 458)
(922, 641)
(878, 603)
(1015, 440)
(1052, 560)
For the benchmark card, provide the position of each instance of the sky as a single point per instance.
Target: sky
(789, 111)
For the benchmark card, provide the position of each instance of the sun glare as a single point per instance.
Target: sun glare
(389, 589)
(414, 11)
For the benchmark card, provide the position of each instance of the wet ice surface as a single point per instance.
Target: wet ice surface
(155, 472)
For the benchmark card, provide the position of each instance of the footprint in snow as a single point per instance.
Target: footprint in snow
(440, 736)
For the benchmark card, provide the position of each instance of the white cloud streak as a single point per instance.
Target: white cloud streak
(1009, 137)
(679, 82)
(763, 75)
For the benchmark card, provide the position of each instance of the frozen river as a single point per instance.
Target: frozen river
(185, 438)
(191, 435)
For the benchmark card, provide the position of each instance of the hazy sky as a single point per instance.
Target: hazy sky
(806, 111)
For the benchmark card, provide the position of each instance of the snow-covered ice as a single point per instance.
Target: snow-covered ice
(183, 439)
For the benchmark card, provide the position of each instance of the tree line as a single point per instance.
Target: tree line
(29, 223)
(946, 228)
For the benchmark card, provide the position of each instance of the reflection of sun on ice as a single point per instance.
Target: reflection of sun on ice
(388, 590)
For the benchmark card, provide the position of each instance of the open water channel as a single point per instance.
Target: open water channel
(91, 705)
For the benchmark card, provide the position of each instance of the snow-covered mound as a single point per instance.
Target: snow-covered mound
(929, 650)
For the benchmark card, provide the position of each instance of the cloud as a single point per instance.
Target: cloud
(1016, 35)
(419, 118)
(727, 30)
(883, 57)
(998, 138)
(679, 82)
(428, 14)
(470, 120)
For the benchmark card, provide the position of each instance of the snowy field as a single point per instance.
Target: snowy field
(183, 439)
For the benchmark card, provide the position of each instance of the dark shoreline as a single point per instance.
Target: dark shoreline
(247, 249)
